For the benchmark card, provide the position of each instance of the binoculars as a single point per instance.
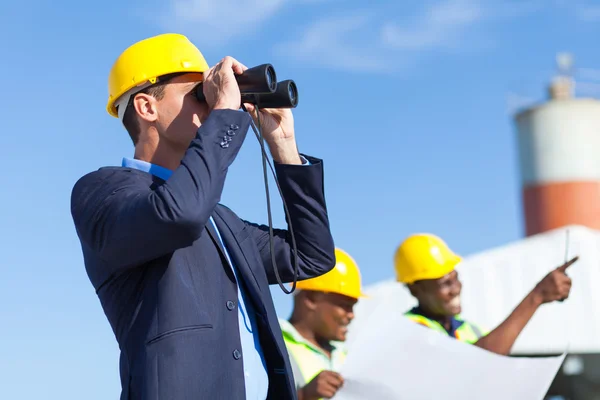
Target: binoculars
(259, 86)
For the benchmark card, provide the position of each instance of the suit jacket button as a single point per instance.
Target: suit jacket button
(230, 305)
(236, 354)
(233, 126)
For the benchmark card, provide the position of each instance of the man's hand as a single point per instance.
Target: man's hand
(221, 91)
(556, 285)
(220, 87)
(325, 385)
(277, 126)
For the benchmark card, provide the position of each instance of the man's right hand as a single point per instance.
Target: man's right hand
(325, 385)
(220, 87)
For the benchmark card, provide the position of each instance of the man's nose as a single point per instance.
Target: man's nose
(456, 288)
(350, 315)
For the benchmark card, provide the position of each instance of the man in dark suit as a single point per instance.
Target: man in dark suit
(182, 279)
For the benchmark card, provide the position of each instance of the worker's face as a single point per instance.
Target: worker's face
(439, 296)
(179, 113)
(333, 314)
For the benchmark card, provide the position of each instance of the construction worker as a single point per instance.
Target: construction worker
(426, 265)
(317, 328)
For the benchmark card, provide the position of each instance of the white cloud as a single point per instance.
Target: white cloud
(343, 42)
(584, 10)
(380, 40)
(589, 73)
(327, 42)
(440, 26)
(515, 8)
(220, 20)
(589, 13)
(444, 25)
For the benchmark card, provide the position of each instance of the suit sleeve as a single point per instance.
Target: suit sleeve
(303, 191)
(125, 223)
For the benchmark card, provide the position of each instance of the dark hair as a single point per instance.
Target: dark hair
(130, 120)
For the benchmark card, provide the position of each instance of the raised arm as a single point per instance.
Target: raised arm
(555, 286)
(303, 191)
(126, 223)
(122, 222)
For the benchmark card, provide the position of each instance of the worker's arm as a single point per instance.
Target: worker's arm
(501, 339)
(555, 286)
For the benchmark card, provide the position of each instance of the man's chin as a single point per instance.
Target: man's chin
(454, 310)
(341, 335)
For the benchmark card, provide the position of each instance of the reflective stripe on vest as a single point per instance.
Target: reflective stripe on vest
(310, 363)
(467, 332)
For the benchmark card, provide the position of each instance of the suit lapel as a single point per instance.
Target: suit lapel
(157, 180)
(210, 228)
(242, 265)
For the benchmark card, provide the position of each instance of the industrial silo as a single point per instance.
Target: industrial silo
(559, 160)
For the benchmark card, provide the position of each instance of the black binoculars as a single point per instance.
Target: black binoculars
(259, 86)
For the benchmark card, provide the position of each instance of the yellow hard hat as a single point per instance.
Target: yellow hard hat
(143, 62)
(423, 256)
(343, 279)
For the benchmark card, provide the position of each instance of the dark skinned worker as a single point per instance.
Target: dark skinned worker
(426, 265)
(314, 335)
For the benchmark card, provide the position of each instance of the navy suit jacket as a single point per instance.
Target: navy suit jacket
(162, 277)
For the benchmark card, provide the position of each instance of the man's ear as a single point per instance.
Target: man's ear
(414, 289)
(146, 107)
(311, 299)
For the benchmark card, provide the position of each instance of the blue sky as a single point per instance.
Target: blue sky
(408, 103)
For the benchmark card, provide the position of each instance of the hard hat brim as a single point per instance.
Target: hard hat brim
(440, 273)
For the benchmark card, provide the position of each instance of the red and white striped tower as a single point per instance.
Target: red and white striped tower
(559, 154)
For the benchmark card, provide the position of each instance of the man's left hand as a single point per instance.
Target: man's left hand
(277, 125)
(556, 285)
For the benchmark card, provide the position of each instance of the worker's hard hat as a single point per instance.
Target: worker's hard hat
(343, 279)
(423, 256)
(142, 63)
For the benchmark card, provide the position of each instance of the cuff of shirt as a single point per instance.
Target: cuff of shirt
(304, 160)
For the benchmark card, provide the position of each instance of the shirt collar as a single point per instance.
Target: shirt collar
(288, 329)
(156, 170)
(455, 321)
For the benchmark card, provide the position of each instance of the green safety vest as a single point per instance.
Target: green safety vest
(307, 359)
(466, 332)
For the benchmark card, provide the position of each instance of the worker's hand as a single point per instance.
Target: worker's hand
(276, 123)
(325, 385)
(556, 285)
(220, 87)
(277, 126)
